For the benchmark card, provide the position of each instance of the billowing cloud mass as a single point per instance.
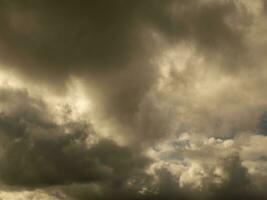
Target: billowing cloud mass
(134, 100)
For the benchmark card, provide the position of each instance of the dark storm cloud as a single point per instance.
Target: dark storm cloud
(166, 189)
(263, 124)
(53, 39)
(237, 186)
(37, 152)
(264, 6)
(209, 25)
(111, 44)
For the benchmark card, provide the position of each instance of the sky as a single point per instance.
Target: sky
(133, 99)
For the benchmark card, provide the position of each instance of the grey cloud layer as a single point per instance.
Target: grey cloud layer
(54, 38)
(112, 44)
(152, 70)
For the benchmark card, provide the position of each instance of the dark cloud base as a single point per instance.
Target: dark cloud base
(38, 153)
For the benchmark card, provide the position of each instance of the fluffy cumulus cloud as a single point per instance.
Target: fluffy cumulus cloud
(134, 100)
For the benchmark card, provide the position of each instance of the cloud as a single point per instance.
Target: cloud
(112, 45)
(133, 100)
(37, 152)
(98, 36)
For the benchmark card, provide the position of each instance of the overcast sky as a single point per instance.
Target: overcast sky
(133, 99)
